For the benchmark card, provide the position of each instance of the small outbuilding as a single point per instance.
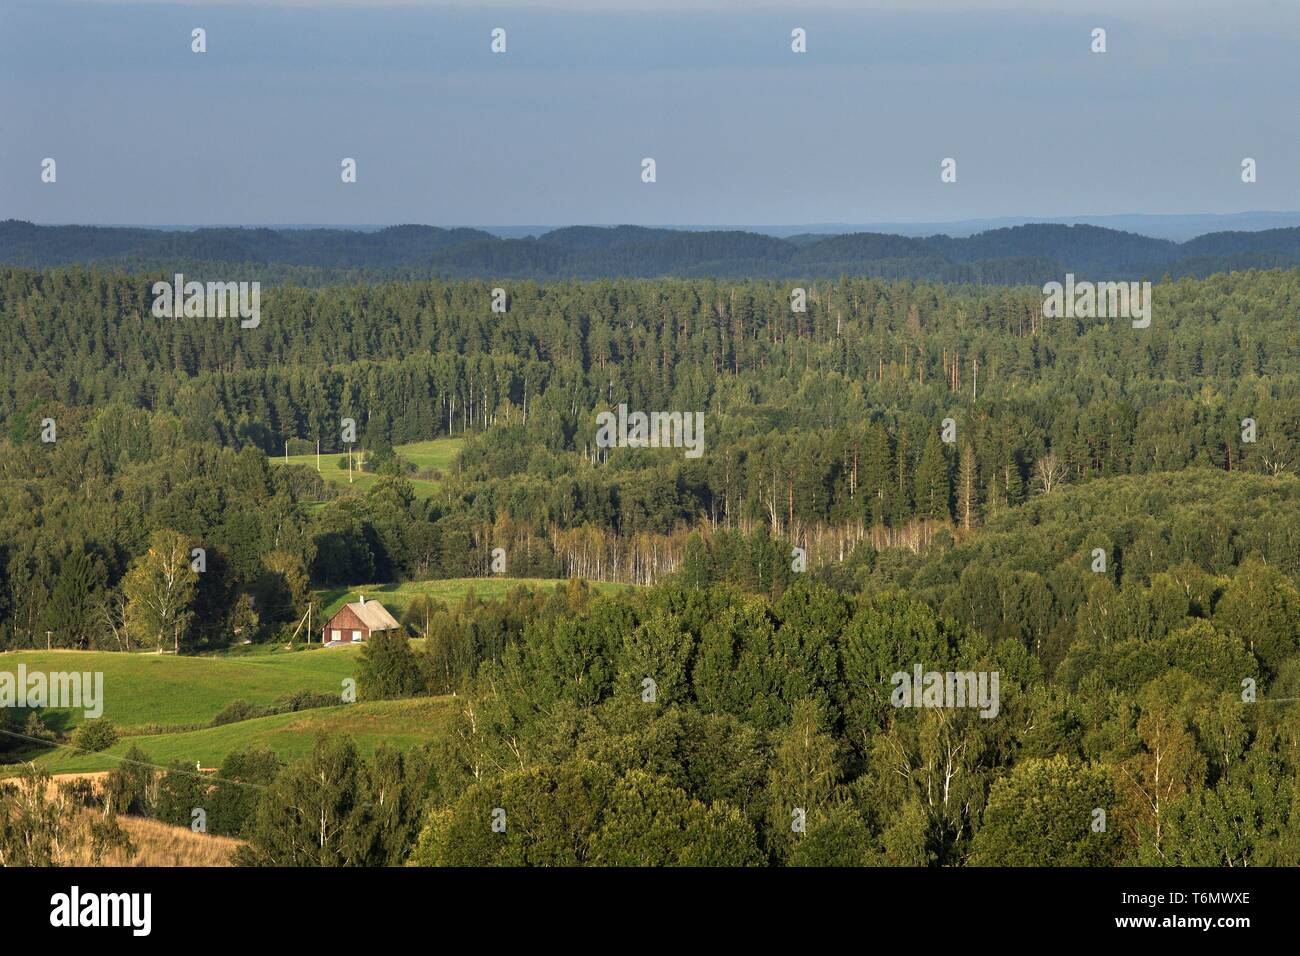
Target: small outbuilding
(356, 622)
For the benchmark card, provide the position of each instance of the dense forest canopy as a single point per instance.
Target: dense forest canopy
(825, 428)
(1106, 516)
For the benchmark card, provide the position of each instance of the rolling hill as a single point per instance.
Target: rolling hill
(1032, 253)
(397, 723)
(163, 690)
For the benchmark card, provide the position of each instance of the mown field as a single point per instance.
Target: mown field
(398, 723)
(437, 454)
(160, 689)
(396, 597)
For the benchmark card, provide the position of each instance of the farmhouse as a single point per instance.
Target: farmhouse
(356, 622)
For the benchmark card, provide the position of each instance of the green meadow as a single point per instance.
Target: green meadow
(396, 597)
(400, 724)
(438, 454)
(145, 694)
(164, 690)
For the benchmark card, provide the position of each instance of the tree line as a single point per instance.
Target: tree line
(1026, 254)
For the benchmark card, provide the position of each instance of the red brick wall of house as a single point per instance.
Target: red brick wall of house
(345, 622)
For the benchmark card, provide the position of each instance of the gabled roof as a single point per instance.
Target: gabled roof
(373, 615)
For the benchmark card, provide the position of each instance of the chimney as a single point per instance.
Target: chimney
(363, 600)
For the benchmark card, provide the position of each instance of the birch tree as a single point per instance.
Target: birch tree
(159, 591)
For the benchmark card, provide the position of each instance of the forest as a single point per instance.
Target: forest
(901, 473)
(1027, 254)
(824, 429)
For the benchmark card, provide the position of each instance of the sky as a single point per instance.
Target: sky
(554, 131)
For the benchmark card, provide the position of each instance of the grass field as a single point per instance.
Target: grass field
(161, 690)
(155, 692)
(396, 597)
(157, 844)
(399, 723)
(437, 454)
(142, 689)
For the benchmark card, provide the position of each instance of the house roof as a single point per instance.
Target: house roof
(374, 615)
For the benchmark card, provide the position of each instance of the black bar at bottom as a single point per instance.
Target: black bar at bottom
(335, 906)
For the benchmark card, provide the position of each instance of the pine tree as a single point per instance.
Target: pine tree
(932, 485)
(71, 612)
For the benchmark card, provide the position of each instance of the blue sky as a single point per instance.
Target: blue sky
(743, 131)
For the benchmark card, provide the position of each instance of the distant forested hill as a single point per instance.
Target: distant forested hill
(1029, 254)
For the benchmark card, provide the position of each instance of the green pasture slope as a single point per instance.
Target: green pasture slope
(437, 454)
(164, 690)
(396, 597)
(400, 724)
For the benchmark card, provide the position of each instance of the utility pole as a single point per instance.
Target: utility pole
(318, 454)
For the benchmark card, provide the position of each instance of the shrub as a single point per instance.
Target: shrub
(95, 735)
(234, 712)
(35, 727)
(303, 700)
(80, 790)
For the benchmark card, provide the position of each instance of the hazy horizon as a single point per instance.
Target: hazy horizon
(1176, 227)
(554, 130)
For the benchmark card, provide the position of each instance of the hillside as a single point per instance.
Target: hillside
(1027, 254)
(164, 690)
(905, 475)
(424, 458)
(400, 724)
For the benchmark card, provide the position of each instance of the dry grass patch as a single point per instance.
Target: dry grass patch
(155, 843)
(160, 844)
